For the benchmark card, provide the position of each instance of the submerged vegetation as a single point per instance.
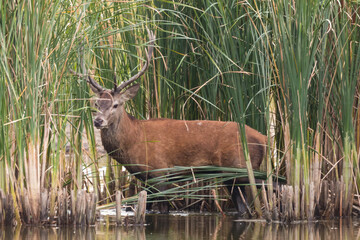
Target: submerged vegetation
(290, 69)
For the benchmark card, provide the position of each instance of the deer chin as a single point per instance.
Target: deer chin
(101, 127)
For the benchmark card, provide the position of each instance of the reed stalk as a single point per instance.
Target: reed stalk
(287, 69)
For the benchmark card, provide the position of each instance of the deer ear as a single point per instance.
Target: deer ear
(130, 92)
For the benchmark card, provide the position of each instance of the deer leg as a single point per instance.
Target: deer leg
(162, 205)
(238, 200)
(237, 230)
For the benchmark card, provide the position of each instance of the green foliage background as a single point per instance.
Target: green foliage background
(289, 69)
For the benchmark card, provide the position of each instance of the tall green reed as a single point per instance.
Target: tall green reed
(292, 51)
(312, 39)
(345, 74)
(36, 41)
(218, 53)
(297, 42)
(244, 61)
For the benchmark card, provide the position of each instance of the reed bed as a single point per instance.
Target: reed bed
(289, 69)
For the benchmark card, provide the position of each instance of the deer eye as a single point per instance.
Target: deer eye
(115, 105)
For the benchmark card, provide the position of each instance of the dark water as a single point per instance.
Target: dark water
(195, 227)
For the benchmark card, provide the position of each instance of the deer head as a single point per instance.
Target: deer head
(110, 103)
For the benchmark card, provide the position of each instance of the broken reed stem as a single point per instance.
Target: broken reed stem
(118, 207)
(83, 208)
(72, 218)
(141, 208)
(312, 202)
(9, 210)
(91, 199)
(302, 203)
(62, 207)
(26, 214)
(44, 205)
(329, 204)
(267, 214)
(80, 208)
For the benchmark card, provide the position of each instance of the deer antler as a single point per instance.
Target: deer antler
(95, 84)
(90, 80)
(144, 68)
(117, 89)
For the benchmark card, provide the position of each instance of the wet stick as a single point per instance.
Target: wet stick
(217, 202)
(244, 200)
(80, 208)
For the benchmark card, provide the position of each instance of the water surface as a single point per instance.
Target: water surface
(194, 226)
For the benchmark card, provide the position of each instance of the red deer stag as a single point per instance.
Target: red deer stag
(146, 145)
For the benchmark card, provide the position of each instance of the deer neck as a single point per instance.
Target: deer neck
(120, 136)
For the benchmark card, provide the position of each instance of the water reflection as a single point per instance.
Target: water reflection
(192, 227)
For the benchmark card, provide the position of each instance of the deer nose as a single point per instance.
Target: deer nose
(98, 122)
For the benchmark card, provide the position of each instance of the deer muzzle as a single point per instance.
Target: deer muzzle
(99, 123)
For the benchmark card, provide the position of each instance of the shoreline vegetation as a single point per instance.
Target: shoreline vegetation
(290, 69)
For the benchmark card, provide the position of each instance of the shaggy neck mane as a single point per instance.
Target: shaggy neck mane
(119, 136)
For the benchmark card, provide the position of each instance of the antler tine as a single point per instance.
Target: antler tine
(90, 80)
(115, 82)
(146, 65)
(95, 84)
